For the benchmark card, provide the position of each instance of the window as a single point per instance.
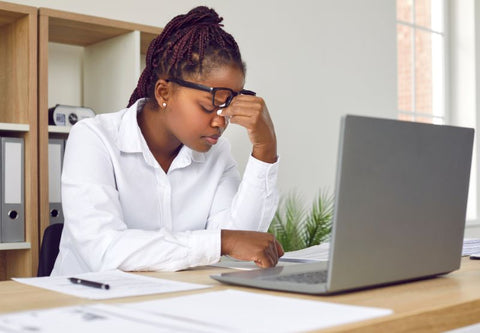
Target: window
(421, 70)
(421, 60)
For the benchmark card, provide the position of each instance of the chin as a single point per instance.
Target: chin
(200, 148)
(203, 149)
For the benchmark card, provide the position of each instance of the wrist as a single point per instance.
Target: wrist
(225, 242)
(267, 154)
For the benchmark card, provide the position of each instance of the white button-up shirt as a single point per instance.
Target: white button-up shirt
(123, 211)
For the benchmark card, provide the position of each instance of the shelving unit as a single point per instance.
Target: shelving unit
(18, 117)
(99, 60)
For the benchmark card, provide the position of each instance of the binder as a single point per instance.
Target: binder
(56, 148)
(12, 194)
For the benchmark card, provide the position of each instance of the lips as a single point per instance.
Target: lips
(212, 139)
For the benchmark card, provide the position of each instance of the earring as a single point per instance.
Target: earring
(164, 104)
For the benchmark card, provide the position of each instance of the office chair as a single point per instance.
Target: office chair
(49, 249)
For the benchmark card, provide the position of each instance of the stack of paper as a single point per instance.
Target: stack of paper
(220, 311)
(471, 246)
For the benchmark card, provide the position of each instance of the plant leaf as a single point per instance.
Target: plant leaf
(286, 224)
(319, 221)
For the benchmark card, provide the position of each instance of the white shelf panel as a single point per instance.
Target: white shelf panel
(14, 127)
(59, 129)
(15, 246)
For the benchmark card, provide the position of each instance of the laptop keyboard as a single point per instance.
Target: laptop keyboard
(304, 278)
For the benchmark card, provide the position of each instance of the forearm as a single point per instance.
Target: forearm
(266, 153)
(98, 236)
(249, 204)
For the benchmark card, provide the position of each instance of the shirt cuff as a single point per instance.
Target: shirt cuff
(261, 174)
(205, 247)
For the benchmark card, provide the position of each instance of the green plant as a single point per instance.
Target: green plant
(295, 228)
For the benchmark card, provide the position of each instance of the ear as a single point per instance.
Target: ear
(162, 91)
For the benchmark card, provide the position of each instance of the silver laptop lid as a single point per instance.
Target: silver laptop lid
(400, 203)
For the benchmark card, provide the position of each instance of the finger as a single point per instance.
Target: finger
(243, 108)
(273, 250)
(261, 263)
(264, 260)
(279, 247)
(244, 121)
(275, 255)
(271, 253)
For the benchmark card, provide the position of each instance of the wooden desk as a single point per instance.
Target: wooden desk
(430, 305)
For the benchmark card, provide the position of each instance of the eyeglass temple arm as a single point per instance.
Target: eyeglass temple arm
(248, 92)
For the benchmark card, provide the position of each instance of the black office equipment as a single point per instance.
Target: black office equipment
(49, 249)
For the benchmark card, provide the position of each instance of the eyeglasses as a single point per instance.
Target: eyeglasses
(221, 97)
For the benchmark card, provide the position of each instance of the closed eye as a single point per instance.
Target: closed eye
(206, 110)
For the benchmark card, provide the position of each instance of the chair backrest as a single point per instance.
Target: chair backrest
(49, 249)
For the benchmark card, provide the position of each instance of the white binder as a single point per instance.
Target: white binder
(56, 147)
(12, 195)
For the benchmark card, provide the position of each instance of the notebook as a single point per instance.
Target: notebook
(400, 207)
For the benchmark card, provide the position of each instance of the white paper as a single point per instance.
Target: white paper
(470, 246)
(121, 285)
(91, 318)
(313, 253)
(221, 311)
(475, 328)
(238, 311)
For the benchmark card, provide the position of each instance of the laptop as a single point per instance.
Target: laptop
(400, 208)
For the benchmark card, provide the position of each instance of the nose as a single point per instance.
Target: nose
(219, 121)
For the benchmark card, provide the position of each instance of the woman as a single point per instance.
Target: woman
(154, 186)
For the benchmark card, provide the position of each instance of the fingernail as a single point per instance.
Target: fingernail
(219, 112)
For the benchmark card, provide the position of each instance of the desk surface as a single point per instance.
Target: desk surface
(437, 304)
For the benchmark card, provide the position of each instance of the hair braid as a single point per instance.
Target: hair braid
(190, 44)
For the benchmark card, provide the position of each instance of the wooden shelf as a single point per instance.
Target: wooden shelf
(18, 115)
(14, 127)
(85, 30)
(15, 246)
(59, 129)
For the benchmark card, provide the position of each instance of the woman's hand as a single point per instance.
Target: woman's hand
(260, 247)
(251, 112)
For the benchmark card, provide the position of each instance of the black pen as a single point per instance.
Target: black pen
(88, 283)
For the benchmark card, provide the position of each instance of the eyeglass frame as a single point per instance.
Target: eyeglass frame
(212, 90)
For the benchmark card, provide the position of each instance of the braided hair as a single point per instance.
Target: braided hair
(190, 44)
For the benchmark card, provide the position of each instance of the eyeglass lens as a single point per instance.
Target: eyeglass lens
(222, 97)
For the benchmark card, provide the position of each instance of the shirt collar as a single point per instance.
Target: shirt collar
(131, 140)
(129, 133)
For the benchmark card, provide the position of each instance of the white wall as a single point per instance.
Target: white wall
(312, 61)
(464, 38)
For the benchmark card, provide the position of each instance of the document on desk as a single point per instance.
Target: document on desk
(239, 311)
(121, 284)
(91, 318)
(220, 311)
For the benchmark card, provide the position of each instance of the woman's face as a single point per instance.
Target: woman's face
(189, 114)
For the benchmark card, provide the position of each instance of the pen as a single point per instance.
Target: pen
(89, 283)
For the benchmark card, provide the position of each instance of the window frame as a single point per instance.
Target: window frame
(414, 114)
